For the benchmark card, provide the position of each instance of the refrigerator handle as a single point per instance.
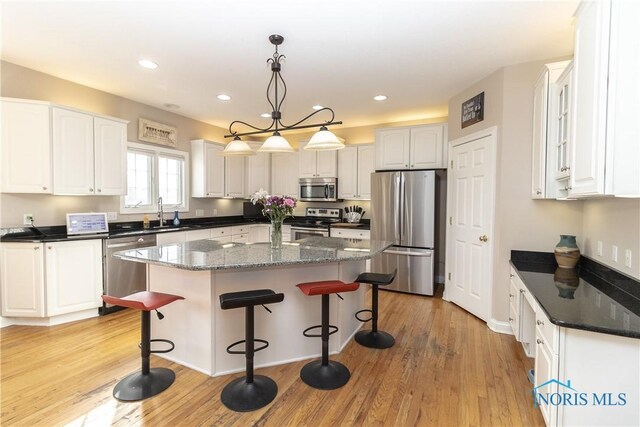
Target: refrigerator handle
(401, 206)
(396, 210)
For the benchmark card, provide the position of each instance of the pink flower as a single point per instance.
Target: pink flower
(290, 202)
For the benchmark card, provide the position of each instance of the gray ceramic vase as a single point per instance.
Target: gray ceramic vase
(567, 252)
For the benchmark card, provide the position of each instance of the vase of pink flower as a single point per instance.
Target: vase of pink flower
(276, 208)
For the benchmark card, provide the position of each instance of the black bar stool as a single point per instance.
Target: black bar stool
(148, 382)
(325, 374)
(374, 338)
(250, 392)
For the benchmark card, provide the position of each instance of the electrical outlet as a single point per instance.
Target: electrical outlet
(112, 216)
(614, 253)
(599, 248)
(27, 219)
(215, 212)
(627, 258)
(199, 212)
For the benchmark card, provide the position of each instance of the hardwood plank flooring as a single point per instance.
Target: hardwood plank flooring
(446, 369)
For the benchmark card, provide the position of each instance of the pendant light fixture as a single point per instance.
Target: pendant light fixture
(238, 147)
(321, 140)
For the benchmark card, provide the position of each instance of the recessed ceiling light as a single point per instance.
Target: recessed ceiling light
(146, 63)
(223, 97)
(380, 97)
(266, 115)
(171, 106)
(317, 107)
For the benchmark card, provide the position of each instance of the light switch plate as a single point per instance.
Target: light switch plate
(627, 258)
(112, 216)
(199, 212)
(614, 253)
(599, 248)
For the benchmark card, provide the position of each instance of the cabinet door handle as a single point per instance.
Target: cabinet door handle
(44, 188)
(510, 295)
(91, 190)
(511, 275)
(99, 190)
(36, 248)
(539, 322)
(406, 166)
(539, 341)
(522, 291)
(538, 192)
(49, 247)
(510, 319)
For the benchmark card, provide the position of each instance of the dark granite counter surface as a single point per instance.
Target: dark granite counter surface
(591, 297)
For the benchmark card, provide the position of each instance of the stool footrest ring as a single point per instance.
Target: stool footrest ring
(160, 340)
(366, 310)
(332, 330)
(262, 347)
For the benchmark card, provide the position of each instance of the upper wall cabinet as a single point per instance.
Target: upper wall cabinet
(544, 123)
(51, 149)
(258, 174)
(284, 174)
(89, 154)
(417, 147)
(604, 131)
(355, 165)
(207, 169)
(26, 147)
(235, 177)
(317, 164)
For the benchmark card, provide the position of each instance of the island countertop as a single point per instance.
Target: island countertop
(212, 255)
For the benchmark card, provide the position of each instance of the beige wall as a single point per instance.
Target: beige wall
(520, 222)
(613, 222)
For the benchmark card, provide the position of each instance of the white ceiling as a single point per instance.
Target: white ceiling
(339, 53)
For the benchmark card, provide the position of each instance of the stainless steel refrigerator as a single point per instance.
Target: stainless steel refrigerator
(403, 211)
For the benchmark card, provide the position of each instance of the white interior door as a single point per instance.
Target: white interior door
(470, 238)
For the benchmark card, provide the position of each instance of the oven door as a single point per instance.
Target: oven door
(298, 233)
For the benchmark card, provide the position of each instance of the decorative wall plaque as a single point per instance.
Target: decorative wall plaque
(157, 133)
(473, 110)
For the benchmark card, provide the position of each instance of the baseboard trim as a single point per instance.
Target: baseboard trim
(499, 326)
(4, 321)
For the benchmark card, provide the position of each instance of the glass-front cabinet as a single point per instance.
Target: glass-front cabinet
(561, 98)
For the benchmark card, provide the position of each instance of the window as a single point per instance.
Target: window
(154, 172)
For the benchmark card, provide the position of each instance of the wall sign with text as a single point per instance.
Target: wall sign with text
(473, 110)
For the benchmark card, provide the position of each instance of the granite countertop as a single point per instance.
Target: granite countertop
(592, 297)
(211, 255)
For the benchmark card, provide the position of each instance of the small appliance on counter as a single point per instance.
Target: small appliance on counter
(83, 224)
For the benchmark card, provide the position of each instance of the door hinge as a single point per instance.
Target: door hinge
(449, 276)
(450, 220)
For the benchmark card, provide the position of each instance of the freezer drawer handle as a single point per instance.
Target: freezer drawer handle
(423, 254)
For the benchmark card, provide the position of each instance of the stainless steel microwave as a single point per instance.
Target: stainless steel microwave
(318, 190)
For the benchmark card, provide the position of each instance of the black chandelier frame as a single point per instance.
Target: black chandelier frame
(276, 116)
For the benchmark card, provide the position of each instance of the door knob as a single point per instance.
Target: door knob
(483, 238)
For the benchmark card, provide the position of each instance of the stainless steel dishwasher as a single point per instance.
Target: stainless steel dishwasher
(124, 277)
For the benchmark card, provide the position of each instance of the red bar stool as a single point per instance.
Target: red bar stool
(148, 382)
(325, 374)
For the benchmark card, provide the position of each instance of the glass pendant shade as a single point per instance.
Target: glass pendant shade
(324, 140)
(238, 147)
(276, 144)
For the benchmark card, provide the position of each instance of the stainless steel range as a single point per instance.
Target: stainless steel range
(316, 222)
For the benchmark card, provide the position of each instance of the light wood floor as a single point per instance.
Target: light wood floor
(446, 369)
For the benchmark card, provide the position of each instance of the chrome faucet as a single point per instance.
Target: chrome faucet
(160, 212)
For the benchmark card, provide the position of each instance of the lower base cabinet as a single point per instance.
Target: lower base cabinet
(50, 279)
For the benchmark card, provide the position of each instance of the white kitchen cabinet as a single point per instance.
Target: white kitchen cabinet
(543, 120)
(234, 177)
(168, 237)
(192, 235)
(259, 233)
(89, 154)
(284, 174)
(258, 171)
(73, 276)
(73, 162)
(604, 132)
(350, 233)
(240, 238)
(545, 370)
(417, 147)
(110, 152)
(26, 147)
(22, 275)
(207, 169)
(355, 165)
(317, 164)
(559, 145)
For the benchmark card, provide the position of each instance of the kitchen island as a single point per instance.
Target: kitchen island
(202, 270)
